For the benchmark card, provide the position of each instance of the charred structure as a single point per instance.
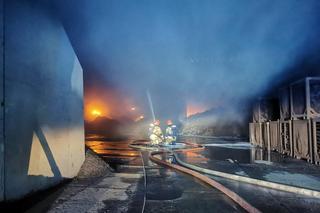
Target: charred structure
(296, 131)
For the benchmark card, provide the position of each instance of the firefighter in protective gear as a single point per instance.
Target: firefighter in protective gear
(171, 133)
(151, 126)
(156, 136)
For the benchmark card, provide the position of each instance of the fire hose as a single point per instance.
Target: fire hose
(194, 147)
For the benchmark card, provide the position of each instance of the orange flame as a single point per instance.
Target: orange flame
(194, 108)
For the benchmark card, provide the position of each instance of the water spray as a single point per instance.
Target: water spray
(151, 105)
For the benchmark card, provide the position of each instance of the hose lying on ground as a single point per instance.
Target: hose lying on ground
(263, 183)
(249, 180)
(195, 147)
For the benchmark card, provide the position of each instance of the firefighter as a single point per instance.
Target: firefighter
(151, 126)
(156, 136)
(171, 136)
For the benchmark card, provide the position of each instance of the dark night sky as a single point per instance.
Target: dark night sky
(184, 51)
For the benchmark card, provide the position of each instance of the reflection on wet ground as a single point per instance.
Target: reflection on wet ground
(115, 152)
(167, 190)
(269, 200)
(170, 191)
(236, 156)
(232, 151)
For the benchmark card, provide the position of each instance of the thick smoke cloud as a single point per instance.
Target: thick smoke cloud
(217, 53)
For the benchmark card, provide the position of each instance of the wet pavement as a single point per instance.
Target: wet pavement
(165, 191)
(116, 153)
(170, 191)
(269, 200)
(236, 156)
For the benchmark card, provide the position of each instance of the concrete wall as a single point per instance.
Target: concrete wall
(44, 135)
(1, 103)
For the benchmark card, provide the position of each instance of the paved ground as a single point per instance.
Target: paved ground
(169, 191)
(268, 200)
(124, 189)
(113, 193)
(166, 190)
(227, 156)
(240, 161)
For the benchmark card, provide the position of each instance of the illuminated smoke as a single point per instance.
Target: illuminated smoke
(208, 51)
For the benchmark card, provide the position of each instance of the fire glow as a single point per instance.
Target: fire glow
(109, 103)
(95, 112)
(195, 108)
(95, 109)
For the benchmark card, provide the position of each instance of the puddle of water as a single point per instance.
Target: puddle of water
(233, 150)
(163, 185)
(222, 153)
(114, 152)
(164, 193)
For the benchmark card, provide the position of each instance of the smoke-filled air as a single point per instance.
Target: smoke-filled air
(204, 60)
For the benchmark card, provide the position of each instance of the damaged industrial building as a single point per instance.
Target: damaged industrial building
(290, 124)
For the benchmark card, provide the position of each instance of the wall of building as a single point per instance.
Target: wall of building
(1, 103)
(44, 133)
